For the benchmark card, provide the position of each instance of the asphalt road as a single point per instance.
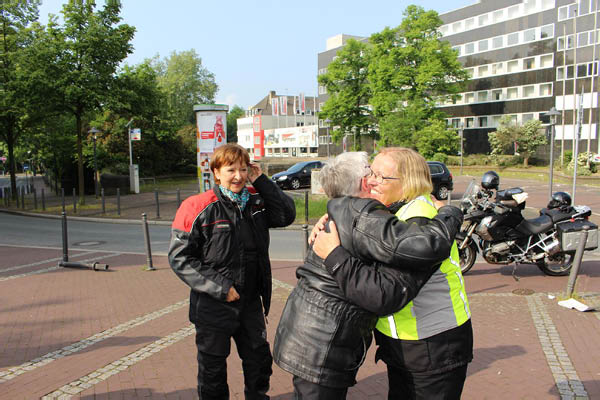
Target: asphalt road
(124, 238)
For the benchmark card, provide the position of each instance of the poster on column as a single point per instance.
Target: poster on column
(212, 130)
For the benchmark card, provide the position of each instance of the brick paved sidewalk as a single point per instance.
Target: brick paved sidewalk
(125, 333)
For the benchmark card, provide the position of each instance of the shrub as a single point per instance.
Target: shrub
(441, 157)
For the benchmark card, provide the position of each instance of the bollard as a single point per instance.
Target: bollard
(43, 200)
(305, 226)
(577, 262)
(150, 267)
(103, 201)
(62, 194)
(22, 198)
(449, 196)
(34, 199)
(178, 198)
(119, 202)
(74, 201)
(157, 204)
(65, 238)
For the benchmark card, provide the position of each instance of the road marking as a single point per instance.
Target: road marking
(42, 262)
(102, 374)
(567, 381)
(41, 271)
(13, 372)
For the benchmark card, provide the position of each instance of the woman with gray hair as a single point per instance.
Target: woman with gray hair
(326, 327)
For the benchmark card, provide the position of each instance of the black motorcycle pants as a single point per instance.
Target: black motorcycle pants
(214, 345)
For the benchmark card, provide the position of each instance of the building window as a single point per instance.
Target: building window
(581, 70)
(528, 91)
(529, 35)
(482, 71)
(497, 68)
(560, 73)
(547, 31)
(482, 96)
(322, 90)
(529, 63)
(444, 30)
(483, 19)
(512, 66)
(526, 117)
(546, 61)
(593, 66)
(562, 13)
(582, 39)
(570, 72)
(469, 98)
(470, 48)
(513, 12)
(512, 93)
(496, 120)
(498, 15)
(497, 94)
(483, 122)
(455, 122)
(457, 49)
(583, 6)
(457, 27)
(470, 72)
(483, 45)
(469, 24)
(497, 42)
(512, 39)
(470, 122)
(546, 89)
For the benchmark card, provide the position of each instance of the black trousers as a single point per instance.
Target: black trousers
(305, 390)
(426, 386)
(214, 345)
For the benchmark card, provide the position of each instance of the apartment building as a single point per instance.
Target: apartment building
(524, 57)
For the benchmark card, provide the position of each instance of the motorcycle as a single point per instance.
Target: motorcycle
(497, 229)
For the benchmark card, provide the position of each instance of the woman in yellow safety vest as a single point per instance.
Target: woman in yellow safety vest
(428, 344)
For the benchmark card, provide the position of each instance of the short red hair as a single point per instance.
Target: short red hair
(228, 154)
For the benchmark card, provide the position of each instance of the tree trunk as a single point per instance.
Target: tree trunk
(80, 180)
(526, 161)
(12, 165)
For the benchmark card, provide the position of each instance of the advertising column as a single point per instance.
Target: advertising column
(211, 132)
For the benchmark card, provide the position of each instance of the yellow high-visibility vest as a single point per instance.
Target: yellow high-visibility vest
(441, 303)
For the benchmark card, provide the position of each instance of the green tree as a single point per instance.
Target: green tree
(15, 19)
(80, 61)
(528, 138)
(349, 93)
(410, 70)
(235, 113)
(437, 138)
(186, 83)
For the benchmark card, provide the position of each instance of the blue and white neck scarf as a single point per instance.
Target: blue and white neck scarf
(241, 199)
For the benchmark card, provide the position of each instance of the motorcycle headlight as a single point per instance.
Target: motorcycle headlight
(282, 178)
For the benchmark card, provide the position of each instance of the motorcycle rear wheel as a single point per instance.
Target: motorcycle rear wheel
(468, 255)
(558, 265)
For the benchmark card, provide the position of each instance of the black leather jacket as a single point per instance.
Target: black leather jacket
(207, 253)
(323, 334)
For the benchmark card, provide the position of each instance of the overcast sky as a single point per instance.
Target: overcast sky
(254, 46)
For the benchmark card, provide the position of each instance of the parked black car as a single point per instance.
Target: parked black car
(297, 175)
(441, 179)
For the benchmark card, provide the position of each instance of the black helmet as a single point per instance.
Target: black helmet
(490, 180)
(559, 199)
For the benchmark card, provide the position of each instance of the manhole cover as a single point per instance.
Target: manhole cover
(523, 292)
(88, 243)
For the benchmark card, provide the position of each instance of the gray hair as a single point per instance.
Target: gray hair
(342, 175)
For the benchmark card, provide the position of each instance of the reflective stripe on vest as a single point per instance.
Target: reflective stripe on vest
(442, 302)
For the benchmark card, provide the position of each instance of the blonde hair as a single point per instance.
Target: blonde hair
(414, 171)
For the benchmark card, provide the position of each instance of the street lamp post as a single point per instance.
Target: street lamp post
(552, 114)
(94, 133)
(327, 121)
(461, 131)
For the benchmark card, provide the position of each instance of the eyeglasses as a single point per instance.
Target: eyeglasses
(380, 178)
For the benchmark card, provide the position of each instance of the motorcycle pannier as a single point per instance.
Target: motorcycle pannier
(570, 234)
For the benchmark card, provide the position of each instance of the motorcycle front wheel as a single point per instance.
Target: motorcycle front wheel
(557, 265)
(467, 257)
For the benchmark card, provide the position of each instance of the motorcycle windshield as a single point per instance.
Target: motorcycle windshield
(470, 195)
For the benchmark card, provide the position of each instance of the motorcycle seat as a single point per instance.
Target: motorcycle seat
(535, 225)
(558, 214)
